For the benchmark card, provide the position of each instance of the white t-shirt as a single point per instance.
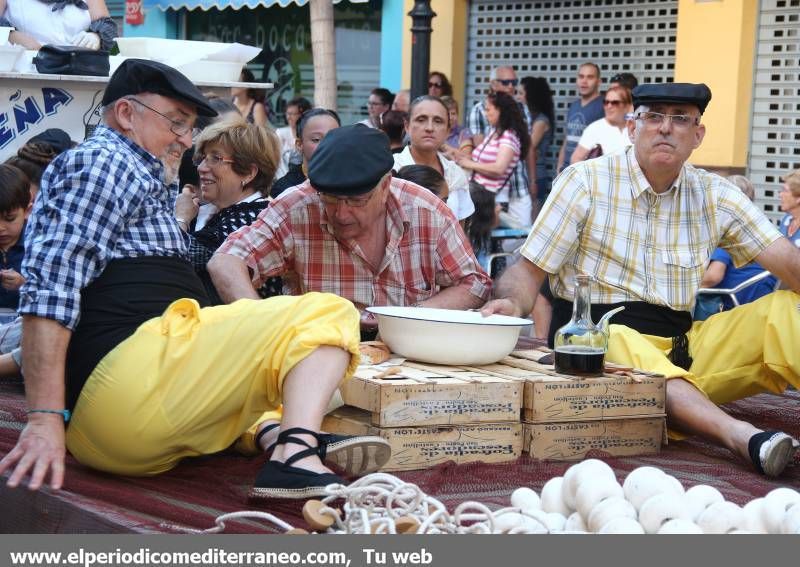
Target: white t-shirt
(610, 138)
(458, 200)
(38, 20)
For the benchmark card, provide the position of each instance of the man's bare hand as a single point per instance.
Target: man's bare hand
(39, 450)
(501, 307)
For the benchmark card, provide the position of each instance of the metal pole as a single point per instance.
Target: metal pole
(421, 16)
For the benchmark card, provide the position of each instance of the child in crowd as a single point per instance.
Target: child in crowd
(485, 218)
(15, 206)
(427, 177)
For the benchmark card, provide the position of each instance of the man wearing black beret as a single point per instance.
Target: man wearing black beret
(354, 230)
(644, 222)
(123, 365)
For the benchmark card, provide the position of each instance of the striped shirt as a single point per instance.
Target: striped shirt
(426, 250)
(487, 153)
(479, 124)
(102, 201)
(602, 218)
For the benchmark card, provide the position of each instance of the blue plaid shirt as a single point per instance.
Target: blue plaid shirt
(102, 201)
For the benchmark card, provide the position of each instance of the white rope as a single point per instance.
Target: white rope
(374, 504)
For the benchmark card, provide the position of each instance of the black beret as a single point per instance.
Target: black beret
(697, 94)
(350, 160)
(136, 76)
(56, 138)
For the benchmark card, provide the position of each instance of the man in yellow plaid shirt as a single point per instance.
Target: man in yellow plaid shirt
(644, 223)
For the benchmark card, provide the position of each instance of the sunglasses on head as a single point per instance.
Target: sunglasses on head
(508, 82)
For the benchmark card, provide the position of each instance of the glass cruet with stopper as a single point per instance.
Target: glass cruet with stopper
(580, 345)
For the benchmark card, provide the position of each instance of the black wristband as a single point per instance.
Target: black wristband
(106, 28)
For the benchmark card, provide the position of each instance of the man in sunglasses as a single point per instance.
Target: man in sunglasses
(584, 110)
(123, 365)
(519, 184)
(644, 222)
(354, 230)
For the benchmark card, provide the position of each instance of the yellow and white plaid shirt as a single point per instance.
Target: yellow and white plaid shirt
(602, 218)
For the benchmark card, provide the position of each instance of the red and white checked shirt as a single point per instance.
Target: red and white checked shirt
(426, 250)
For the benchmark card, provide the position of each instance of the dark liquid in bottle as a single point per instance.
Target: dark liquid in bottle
(579, 360)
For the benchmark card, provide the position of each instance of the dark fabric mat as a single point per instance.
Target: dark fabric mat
(198, 490)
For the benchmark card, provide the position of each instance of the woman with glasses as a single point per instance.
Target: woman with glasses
(790, 204)
(438, 85)
(535, 93)
(607, 135)
(236, 163)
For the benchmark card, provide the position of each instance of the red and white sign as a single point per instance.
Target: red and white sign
(134, 15)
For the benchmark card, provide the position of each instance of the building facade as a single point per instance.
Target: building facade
(747, 51)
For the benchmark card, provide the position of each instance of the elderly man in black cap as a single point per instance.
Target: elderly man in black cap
(123, 365)
(644, 222)
(354, 230)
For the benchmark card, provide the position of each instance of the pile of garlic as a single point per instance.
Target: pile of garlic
(588, 499)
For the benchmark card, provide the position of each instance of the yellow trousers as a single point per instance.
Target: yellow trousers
(748, 350)
(192, 381)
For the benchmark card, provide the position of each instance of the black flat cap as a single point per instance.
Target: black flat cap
(56, 138)
(136, 76)
(350, 160)
(689, 93)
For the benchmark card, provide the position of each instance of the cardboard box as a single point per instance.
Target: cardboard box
(557, 398)
(551, 397)
(434, 395)
(423, 447)
(571, 441)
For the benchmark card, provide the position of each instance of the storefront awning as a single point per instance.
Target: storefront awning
(222, 4)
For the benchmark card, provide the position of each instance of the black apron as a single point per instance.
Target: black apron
(129, 292)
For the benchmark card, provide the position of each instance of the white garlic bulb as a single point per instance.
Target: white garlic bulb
(775, 505)
(700, 497)
(790, 524)
(753, 517)
(721, 518)
(592, 491)
(607, 510)
(525, 498)
(622, 526)
(660, 509)
(577, 474)
(644, 482)
(552, 497)
(575, 523)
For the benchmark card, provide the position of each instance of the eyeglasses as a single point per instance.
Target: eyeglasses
(508, 82)
(329, 199)
(612, 102)
(212, 160)
(678, 121)
(177, 127)
(370, 103)
(434, 85)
